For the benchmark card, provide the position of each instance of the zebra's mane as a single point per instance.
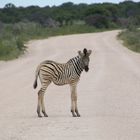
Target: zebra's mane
(77, 64)
(74, 59)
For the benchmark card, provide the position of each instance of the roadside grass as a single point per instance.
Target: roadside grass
(14, 36)
(131, 39)
(73, 29)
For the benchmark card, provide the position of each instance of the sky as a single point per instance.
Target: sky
(43, 3)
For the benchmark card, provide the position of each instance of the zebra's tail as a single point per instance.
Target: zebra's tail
(35, 83)
(36, 76)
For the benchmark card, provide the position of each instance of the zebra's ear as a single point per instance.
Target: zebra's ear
(85, 51)
(89, 52)
(80, 53)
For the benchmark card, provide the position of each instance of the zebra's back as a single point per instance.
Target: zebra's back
(58, 73)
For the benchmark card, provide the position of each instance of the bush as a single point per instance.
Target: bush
(131, 39)
(8, 50)
(97, 20)
(11, 42)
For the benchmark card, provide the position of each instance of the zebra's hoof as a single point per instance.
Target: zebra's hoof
(74, 115)
(45, 115)
(39, 116)
(78, 115)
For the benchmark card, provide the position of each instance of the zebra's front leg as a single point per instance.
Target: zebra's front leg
(74, 108)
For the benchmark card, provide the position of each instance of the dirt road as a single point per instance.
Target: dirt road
(108, 95)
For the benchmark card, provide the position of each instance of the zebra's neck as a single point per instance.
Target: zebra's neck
(77, 64)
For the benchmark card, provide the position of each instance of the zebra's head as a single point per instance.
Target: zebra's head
(85, 58)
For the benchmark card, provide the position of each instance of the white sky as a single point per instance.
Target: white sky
(43, 3)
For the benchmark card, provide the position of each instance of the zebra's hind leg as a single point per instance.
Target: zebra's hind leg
(39, 103)
(43, 106)
(41, 100)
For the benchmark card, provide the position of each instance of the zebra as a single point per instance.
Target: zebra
(61, 74)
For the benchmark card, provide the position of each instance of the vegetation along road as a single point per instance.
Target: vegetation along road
(108, 95)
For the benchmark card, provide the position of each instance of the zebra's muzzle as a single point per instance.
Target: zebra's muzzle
(86, 68)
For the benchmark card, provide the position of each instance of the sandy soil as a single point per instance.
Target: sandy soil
(108, 95)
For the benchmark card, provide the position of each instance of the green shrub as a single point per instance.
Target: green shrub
(131, 39)
(8, 50)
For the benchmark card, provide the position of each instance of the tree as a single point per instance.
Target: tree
(97, 20)
(9, 6)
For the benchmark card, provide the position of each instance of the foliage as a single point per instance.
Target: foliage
(131, 39)
(12, 39)
(20, 24)
(97, 20)
(13, 36)
(67, 13)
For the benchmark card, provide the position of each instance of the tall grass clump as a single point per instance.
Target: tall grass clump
(10, 45)
(13, 37)
(131, 39)
(71, 29)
